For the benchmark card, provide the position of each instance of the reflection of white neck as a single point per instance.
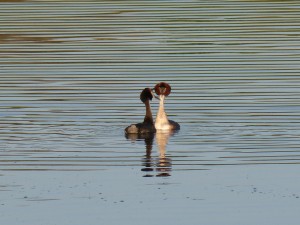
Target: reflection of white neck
(162, 122)
(162, 139)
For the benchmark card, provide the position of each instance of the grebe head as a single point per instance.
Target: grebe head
(146, 94)
(162, 88)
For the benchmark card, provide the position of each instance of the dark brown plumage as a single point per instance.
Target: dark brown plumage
(147, 126)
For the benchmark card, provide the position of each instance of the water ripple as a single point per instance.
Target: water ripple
(71, 73)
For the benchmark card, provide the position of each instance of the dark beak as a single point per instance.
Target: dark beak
(153, 93)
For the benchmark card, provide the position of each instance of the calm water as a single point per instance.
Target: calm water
(70, 78)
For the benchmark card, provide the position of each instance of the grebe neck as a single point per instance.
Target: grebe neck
(161, 114)
(148, 117)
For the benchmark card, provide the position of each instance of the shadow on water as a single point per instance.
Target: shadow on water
(17, 38)
(161, 165)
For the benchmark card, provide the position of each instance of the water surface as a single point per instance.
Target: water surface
(70, 78)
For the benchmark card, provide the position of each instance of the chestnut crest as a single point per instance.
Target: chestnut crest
(162, 88)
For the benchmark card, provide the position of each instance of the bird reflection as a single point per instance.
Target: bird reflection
(161, 165)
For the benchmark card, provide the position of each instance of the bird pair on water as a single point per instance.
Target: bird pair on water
(162, 123)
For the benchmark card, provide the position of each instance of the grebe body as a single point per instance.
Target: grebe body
(162, 122)
(147, 126)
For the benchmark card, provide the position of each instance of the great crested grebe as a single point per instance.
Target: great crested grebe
(148, 125)
(163, 89)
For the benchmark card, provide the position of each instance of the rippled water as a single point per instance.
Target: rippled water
(70, 78)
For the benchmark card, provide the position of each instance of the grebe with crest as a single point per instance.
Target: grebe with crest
(162, 123)
(148, 125)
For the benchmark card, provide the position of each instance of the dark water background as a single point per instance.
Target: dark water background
(70, 77)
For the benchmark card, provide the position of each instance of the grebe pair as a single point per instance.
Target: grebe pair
(161, 123)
